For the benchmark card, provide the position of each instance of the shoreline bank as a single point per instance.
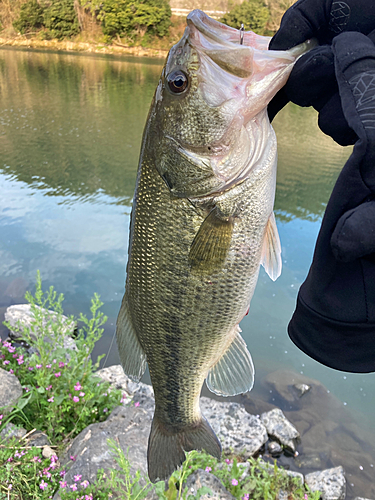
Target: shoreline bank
(81, 47)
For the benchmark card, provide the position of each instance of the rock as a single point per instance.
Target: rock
(280, 428)
(302, 389)
(10, 391)
(47, 451)
(331, 483)
(283, 384)
(20, 317)
(38, 438)
(12, 431)
(129, 426)
(274, 448)
(360, 498)
(201, 478)
(238, 431)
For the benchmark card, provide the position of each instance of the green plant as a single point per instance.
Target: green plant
(25, 474)
(30, 18)
(61, 393)
(252, 13)
(135, 18)
(60, 18)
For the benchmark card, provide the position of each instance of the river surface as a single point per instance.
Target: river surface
(70, 133)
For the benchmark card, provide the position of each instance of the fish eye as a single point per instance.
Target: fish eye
(177, 82)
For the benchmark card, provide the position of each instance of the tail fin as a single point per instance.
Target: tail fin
(166, 448)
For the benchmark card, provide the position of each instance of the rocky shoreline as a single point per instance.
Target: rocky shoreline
(267, 433)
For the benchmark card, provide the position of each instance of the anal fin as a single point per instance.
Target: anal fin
(271, 250)
(133, 357)
(211, 243)
(234, 372)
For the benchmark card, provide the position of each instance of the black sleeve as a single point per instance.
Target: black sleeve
(334, 320)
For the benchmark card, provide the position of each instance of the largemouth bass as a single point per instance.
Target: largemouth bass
(201, 225)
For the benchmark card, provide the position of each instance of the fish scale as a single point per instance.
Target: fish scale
(197, 240)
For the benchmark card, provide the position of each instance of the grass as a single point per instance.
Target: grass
(62, 395)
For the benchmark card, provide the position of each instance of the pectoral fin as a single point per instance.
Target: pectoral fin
(211, 243)
(132, 356)
(234, 372)
(271, 250)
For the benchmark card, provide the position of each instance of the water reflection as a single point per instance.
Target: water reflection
(70, 131)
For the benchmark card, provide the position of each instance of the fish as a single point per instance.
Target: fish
(202, 223)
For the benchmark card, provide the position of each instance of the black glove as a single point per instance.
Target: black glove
(312, 81)
(323, 20)
(334, 321)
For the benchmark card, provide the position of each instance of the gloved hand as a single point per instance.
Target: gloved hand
(323, 20)
(312, 81)
(334, 321)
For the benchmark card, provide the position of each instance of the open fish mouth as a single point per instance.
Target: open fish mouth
(238, 75)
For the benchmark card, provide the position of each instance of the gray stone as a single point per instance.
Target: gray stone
(12, 431)
(128, 426)
(38, 438)
(302, 389)
(310, 461)
(275, 448)
(201, 478)
(280, 428)
(238, 431)
(360, 498)
(10, 391)
(331, 483)
(20, 317)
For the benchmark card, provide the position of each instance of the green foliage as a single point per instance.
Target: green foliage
(61, 393)
(30, 18)
(60, 18)
(25, 474)
(252, 13)
(132, 18)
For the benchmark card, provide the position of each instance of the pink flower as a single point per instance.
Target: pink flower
(15, 355)
(11, 371)
(73, 486)
(49, 388)
(63, 484)
(246, 497)
(208, 469)
(88, 497)
(123, 399)
(50, 400)
(58, 374)
(228, 461)
(6, 362)
(54, 458)
(73, 457)
(1, 416)
(78, 477)
(82, 394)
(48, 366)
(63, 472)
(31, 368)
(43, 485)
(85, 483)
(20, 360)
(46, 472)
(306, 497)
(10, 459)
(11, 349)
(75, 399)
(105, 410)
(136, 404)
(61, 364)
(234, 482)
(77, 387)
(38, 366)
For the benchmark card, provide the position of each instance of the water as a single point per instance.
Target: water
(70, 131)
